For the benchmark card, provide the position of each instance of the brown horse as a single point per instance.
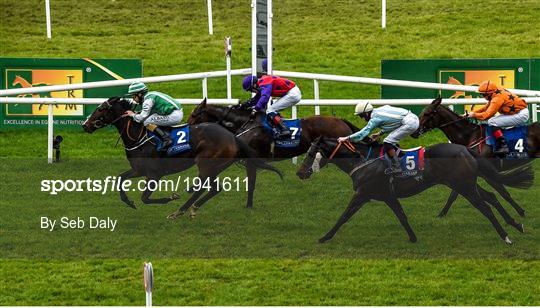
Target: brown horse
(252, 131)
(213, 149)
(460, 131)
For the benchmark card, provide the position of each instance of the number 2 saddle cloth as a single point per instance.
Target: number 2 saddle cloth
(179, 136)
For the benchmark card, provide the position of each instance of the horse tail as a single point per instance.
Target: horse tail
(521, 177)
(250, 157)
(353, 127)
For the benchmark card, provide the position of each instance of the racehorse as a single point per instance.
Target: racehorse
(460, 131)
(251, 130)
(448, 164)
(213, 149)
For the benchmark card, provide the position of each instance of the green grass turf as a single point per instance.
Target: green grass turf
(229, 255)
(273, 282)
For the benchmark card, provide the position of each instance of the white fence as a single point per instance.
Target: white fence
(205, 75)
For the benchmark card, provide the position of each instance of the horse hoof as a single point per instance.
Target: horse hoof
(175, 215)
(131, 204)
(508, 241)
(521, 213)
(521, 228)
(323, 240)
(413, 239)
(441, 216)
(175, 196)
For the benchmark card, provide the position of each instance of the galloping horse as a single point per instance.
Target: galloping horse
(19, 80)
(448, 164)
(252, 131)
(213, 149)
(460, 131)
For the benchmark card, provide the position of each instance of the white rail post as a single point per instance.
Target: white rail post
(294, 115)
(316, 96)
(50, 133)
(48, 17)
(210, 26)
(148, 277)
(383, 12)
(205, 87)
(534, 108)
(269, 52)
(253, 38)
(228, 53)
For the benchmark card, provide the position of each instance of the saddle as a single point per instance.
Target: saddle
(516, 139)
(180, 136)
(295, 125)
(411, 160)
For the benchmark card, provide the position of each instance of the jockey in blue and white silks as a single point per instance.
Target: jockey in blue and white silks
(398, 122)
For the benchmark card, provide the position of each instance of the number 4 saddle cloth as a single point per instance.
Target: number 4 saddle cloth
(516, 139)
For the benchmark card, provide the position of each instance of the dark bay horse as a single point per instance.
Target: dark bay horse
(448, 164)
(239, 122)
(213, 149)
(460, 131)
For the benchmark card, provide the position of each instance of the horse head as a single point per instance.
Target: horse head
(106, 113)
(430, 118)
(231, 117)
(200, 114)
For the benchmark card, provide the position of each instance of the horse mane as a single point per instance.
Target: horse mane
(353, 127)
(234, 114)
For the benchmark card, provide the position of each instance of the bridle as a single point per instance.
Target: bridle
(349, 145)
(100, 121)
(422, 130)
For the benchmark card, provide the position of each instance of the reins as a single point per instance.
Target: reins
(347, 144)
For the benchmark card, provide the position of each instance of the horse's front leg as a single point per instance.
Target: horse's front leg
(131, 173)
(153, 181)
(252, 179)
(354, 205)
(453, 196)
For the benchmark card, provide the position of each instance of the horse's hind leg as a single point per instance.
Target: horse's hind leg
(506, 195)
(181, 210)
(451, 199)
(131, 173)
(213, 191)
(145, 197)
(479, 204)
(396, 207)
(490, 198)
(354, 205)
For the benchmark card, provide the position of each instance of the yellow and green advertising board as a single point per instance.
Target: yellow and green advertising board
(35, 72)
(508, 73)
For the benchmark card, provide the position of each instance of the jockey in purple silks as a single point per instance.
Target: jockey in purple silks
(273, 86)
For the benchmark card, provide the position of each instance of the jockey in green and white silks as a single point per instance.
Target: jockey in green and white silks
(158, 109)
(398, 122)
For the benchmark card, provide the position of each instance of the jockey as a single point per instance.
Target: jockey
(273, 86)
(158, 109)
(398, 122)
(513, 112)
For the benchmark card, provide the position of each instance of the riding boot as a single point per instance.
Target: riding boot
(501, 148)
(394, 158)
(165, 138)
(396, 165)
(284, 131)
